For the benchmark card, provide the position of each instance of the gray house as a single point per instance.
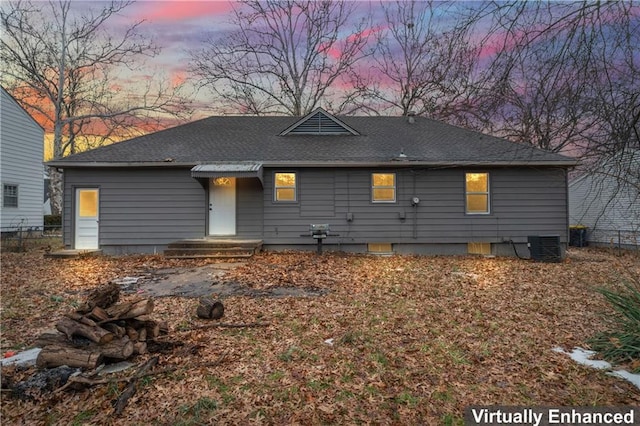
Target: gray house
(606, 201)
(21, 155)
(382, 184)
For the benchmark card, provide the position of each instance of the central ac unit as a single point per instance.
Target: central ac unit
(545, 248)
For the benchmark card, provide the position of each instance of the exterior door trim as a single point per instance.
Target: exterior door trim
(86, 235)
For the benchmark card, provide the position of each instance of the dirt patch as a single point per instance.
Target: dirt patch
(205, 281)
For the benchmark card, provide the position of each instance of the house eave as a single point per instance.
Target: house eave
(108, 164)
(430, 164)
(399, 163)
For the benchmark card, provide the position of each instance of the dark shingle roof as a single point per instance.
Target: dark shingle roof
(258, 139)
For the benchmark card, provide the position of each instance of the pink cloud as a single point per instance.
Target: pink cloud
(178, 78)
(177, 10)
(334, 51)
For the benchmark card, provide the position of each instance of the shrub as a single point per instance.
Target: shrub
(622, 342)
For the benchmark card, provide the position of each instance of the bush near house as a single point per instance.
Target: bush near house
(621, 344)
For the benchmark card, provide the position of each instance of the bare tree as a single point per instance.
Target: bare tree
(61, 64)
(284, 58)
(422, 64)
(565, 75)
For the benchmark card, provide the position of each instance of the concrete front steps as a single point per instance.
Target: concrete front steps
(212, 248)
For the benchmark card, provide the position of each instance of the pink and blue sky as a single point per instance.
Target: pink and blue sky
(178, 26)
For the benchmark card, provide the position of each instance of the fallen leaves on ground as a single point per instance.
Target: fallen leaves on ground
(397, 340)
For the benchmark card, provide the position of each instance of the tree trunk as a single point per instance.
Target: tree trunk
(55, 190)
(210, 309)
(55, 356)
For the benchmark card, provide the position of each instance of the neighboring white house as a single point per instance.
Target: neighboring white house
(607, 201)
(21, 156)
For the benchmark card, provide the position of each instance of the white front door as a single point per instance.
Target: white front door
(87, 202)
(222, 206)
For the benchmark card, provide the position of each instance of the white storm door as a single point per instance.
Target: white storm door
(87, 201)
(222, 206)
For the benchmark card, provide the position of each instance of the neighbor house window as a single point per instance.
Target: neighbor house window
(10, 196)
(477, 193)
(285, 187)
(383, 187)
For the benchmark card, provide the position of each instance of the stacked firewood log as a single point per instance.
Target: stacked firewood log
(102, 330)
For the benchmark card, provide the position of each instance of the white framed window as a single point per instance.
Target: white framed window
(383, 187)
(9, 195)
(285, 187)
(477, 193)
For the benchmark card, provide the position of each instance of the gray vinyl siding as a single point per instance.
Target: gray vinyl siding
(143, 208)
(140, 207)
(611, 213)
(524, 201)
(21, 155)
(249, 208)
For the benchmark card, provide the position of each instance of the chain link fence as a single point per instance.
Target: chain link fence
(21, 237)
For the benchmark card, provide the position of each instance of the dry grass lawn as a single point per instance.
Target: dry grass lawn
(415, 339)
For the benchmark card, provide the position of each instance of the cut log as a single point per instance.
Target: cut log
(115, 329)
(164, 327)
(81, 319)
(102, 297)
(142, 307)
(98, 314)
(121, 348)
(131, 309)
(115, 311)
(143, 322)
(140, 348)
(210, 308)
(142, 334)
(55, 356)
(132, 333)
(54, 338)
(117, 349)
(95, 334)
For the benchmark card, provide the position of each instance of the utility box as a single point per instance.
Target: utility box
(578, 236)
(545, 248)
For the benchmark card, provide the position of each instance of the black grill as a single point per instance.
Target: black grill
(319, 230)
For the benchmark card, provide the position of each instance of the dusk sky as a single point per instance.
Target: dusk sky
(178, 26)
(181, 27)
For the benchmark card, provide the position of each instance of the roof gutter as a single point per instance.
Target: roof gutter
(62, 164)
(319, 164)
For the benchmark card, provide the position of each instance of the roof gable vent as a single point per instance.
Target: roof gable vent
(319, 122)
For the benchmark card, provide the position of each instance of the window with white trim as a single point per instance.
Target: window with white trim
(383, 187)
(9, 195)
(477, 193)
(285, 187)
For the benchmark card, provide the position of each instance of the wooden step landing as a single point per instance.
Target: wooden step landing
(212, 248)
